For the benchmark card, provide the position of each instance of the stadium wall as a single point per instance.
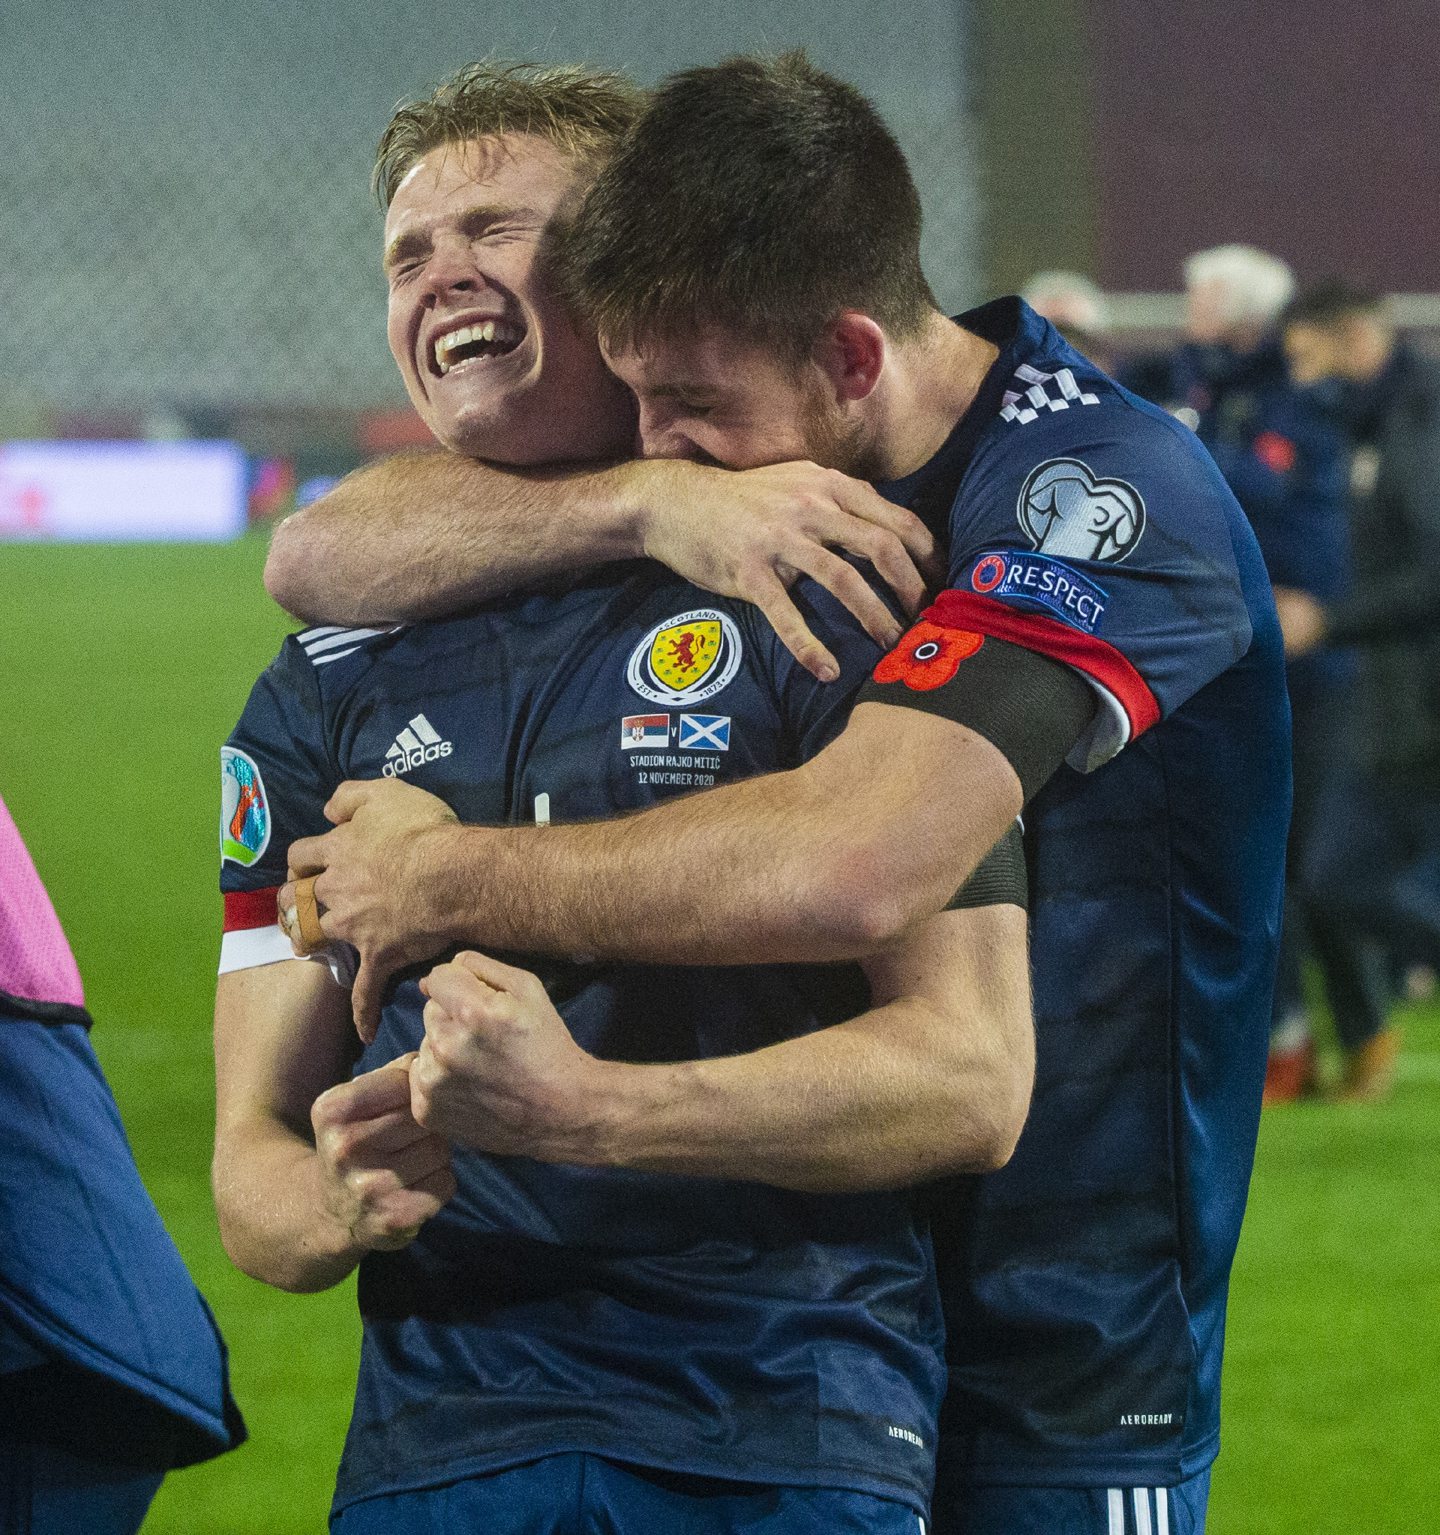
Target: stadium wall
(1118, 136)
(188, 223)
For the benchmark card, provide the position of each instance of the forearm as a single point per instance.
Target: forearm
(274, 1219)
(934, 1078)
(281, 1039)
(863, 1105)
(599, 888)
(426, 533)
(830, 861)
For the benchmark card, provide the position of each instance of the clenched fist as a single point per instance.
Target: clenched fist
(384, 1174)
(500, 1072)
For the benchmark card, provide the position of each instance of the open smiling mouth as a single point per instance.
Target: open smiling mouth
(492, 338)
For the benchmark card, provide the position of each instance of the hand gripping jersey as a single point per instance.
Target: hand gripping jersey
(1084, 1283)
(701, 1326)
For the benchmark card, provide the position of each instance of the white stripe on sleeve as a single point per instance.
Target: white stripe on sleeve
(1143, 1525)
(1162, 1511)
(252, 946)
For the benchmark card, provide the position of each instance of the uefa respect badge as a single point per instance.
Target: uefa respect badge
(244, 808)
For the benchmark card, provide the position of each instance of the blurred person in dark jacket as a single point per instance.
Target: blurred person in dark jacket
(1233, 296)
(1375, 865)
(1282, 445)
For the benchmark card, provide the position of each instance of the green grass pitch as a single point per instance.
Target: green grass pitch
(121, 671)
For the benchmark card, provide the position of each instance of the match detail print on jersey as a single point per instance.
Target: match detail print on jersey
(244, 809)
(686, 659)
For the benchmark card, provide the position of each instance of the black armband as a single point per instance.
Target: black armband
(1031, 709)
(1000, 879)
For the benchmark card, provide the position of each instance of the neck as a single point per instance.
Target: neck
(929, 382)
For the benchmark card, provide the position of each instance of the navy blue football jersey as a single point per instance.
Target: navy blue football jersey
(696, 1325)
(1084, 1284)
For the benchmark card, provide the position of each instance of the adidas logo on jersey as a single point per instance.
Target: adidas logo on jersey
(416, 745)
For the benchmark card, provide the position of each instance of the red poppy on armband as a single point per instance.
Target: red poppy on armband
(928, 657)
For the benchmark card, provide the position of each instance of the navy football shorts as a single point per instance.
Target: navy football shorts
(588, 1495)
(1078, 1510)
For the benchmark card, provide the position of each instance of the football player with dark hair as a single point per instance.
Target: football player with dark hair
(1104, 655)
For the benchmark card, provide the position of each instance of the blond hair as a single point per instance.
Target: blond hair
(582, 112)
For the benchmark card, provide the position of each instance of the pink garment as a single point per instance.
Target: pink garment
(35, 960)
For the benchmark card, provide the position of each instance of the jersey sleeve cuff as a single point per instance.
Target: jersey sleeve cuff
(1127, 707)
(245, 948)
(249, 948)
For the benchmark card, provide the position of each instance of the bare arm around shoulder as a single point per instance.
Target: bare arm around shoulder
(427, 533)
(933, 1079)
(832, 860)
(312, 1170)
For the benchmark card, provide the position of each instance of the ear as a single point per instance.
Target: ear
(851, 352)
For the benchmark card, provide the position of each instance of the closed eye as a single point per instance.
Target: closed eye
(493, 224)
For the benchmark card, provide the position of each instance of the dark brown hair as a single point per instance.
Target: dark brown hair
(581, 111)
(1331, 303)
(759, 194)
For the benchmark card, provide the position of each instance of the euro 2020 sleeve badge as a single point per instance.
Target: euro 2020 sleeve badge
(244, 808)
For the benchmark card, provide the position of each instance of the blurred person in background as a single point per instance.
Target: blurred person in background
(1233, 295)
(1374, 861)
(1076, 307)
(1284, 452)
(112, 1370)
